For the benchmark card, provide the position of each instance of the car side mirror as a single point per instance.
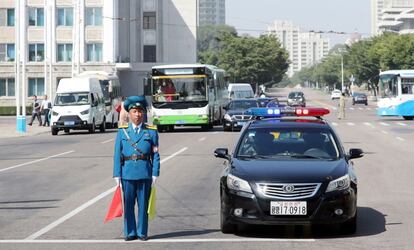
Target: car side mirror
(222, 153)
(355, 153)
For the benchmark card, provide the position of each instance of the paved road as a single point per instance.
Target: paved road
(54, 190)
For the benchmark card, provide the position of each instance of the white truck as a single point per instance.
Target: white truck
(79, 104)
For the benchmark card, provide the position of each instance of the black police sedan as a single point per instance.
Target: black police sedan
(236, 115)
(289, 171)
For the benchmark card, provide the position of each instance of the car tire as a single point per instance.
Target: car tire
(55, 131)
(353, 103)
(225, 226)
(366, 104)
(408, 118)
(66, 130)
(349, 226)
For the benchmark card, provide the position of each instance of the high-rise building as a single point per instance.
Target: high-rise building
(393, 16)
(47, 40)
(211, 12)
(304, 49)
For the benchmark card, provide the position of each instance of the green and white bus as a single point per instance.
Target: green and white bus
(187, 95)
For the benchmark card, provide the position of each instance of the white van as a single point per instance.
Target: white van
(240, 91)
(79, 104)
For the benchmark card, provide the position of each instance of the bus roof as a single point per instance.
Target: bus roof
(403, 73)
(177, 66)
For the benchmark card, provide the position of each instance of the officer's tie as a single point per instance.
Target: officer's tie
(136, 130)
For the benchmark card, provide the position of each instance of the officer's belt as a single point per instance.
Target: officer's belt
(136, 157)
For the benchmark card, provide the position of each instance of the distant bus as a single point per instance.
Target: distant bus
(111, 89)
(187, 95)
(396, 93)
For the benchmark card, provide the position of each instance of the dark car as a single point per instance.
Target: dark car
(296, 98)
(288, 171)
(236, 113)
(359, 98)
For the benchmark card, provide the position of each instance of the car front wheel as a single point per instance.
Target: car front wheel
(349, 226)
(225, 226)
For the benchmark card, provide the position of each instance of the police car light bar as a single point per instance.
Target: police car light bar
(286, 111)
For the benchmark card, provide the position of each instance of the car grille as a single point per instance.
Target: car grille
(69, 118)
(243, 117)
(288, 191)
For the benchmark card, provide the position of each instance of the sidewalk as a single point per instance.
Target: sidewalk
(8, 127)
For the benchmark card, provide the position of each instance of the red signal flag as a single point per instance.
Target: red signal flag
(115, 208)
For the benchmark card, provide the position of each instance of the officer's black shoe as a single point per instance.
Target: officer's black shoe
(143, 238)
(129, 238)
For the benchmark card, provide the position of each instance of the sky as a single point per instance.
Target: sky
(253, 16)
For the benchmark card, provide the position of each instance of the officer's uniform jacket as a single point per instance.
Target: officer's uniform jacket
(147, 142)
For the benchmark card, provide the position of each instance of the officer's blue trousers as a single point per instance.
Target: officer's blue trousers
(138, 190)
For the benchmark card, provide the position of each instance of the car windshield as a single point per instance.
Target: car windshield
(288, 143)
(65, 99)
(295, 95)
(243, 104)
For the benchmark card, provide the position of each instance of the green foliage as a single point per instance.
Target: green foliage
(246, 59)
(364, 59)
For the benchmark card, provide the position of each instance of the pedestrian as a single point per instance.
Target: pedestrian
(123, 114)
(136, 166)
(45, 109)
(36, 111)
(341, 114)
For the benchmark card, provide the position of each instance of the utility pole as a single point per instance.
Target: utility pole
(342, 72)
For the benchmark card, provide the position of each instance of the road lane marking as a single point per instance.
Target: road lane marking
(35, 161)
(401, 139)
(194, 240)
(214, 133)
(384, 124)
(113, 139)
(202, 139)
(350, 124)
(351, 108)
(325, 104)
(401, 124)
(335, 124)
(368, 108)
(360, 108)
(369, 124)
(86, 205)
(384, 132)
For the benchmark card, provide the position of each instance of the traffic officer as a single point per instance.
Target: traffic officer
(137, 166)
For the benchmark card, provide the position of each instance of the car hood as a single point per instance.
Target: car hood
(289, 171)
(237, 112)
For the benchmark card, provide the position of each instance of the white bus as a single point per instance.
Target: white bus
(187, 95)
(396, 93)
(111, 89)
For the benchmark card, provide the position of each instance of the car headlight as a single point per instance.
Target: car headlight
(55, 113)
(339, 184)
(235, 183)
(85, 112)
(227, 117)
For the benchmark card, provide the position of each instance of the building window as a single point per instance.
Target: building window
(150, 21)
(6, 86)
(94, 16)
(150, 53)
(65, 16)
(64, 52)
(94, 52)
(7, 52)
(6, 17)
(36, 86)
(36, 16)
(36, 52)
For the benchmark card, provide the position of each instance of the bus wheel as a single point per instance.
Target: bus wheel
(160, 128)
(408, 117)
(170, 128)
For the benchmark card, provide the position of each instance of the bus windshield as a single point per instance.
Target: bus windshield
(179, 89)
(388, 86)
(65, 99)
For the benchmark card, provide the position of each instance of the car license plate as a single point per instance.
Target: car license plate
(241, 123)
(180, 122)
(288, 208)
(71, 123)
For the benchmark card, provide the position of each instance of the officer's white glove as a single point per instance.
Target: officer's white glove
(154, 180)
(117, 180)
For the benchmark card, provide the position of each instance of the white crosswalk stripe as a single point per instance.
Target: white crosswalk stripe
(335, 124)
(369, 124)
(401, 124)
(384, 124)
(350, 124)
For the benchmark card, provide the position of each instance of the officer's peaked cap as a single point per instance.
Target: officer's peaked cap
(135, 102)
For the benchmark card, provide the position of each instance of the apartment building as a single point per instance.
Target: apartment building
(43, 41)
(212, 12)
(304, 48)
(393, 16)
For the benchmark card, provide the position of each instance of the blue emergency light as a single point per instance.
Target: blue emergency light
(287, 111)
